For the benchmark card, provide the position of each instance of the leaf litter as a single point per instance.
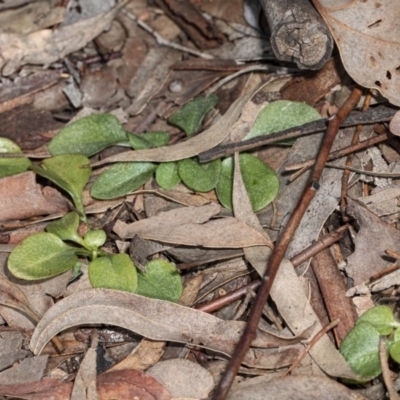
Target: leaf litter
(188, 225)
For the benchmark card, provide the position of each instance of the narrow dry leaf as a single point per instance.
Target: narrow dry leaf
(85, 382)
(375, 236)
(156, 320)
(183, 378)
(39, 390)
(395, 124)
(205, 140)
(47, 46)
(23, 198)
(220, 233)
(287, 291)
(188, 226)
(12, 296)
(172, 218)
(367, 34)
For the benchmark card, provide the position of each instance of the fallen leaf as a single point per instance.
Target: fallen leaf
(367, 34)
(23, 198)
(47, 46)
(292, 387)
(395, 124)
(85, 380)
(130, 384)
(375, 236)
(188, 226)
(183, 378)
(10, 349)
(158, 320)
(29, 370)
(205, 140)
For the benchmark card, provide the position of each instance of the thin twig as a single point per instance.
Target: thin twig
(309, 346)
(276, 258)
(164, 42)
(387, 175)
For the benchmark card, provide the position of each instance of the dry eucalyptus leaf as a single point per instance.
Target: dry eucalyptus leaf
(157, 320)
(292, 387)
(375, 236)
(183, 378)
(29, 370)
(205, 140)
(367, 34)
(287, 291)
(47, 46)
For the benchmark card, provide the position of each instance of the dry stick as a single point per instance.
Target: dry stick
(383, 357)
(373, 115)
(342, 152)
(349, 160)
(282, 244)
(321, 244)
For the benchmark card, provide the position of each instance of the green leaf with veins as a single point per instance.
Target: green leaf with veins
(280, 115)
(381, 318)
(66, 228)
(40, 256)
(121, 179)
(199, 177)
(190, 116)
(260, 181)
(148, 140)
(167, 175)
(161, 281)
(88, 135)
(70, 172)
(116, 271)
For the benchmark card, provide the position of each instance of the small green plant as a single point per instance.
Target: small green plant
(60, 248)
(360, 347)
(47, 254)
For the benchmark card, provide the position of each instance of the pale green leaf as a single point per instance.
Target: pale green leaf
(395, 351)
(66, 228)
(199, 177)
(167, 175)
(88, 135)
(116, 271)
(360, 348)
(14, 165)
(95, 239)
(122, 178)
(260, 181)
(380, 317)
(71, 172)
(280, 115)
(161, 281)
(190, 116)
(40, 256)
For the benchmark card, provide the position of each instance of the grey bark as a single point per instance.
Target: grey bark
(298, 33)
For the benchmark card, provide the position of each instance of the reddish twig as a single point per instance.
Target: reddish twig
(249, 332)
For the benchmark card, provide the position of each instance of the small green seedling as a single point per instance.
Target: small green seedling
(360, 347)
(47, 254)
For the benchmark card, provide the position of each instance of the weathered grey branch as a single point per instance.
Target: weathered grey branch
(298, 33)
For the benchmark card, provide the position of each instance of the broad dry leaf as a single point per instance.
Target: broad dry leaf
(292, 387)
(287, 291)
(49, 45)
(11, 349)
(188, 226)
(158, 320)
(23, 198)
(375, 236)
(183, 378)
(205, 140)
(29, 370)
(368, 36)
